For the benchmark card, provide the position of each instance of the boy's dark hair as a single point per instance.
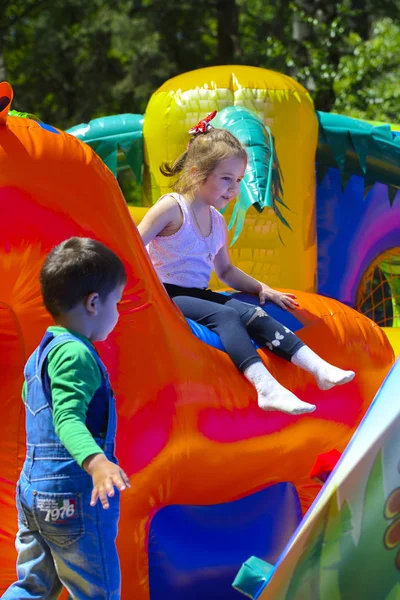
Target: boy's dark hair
(76, 268)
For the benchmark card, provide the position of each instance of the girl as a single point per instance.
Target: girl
(186, 238)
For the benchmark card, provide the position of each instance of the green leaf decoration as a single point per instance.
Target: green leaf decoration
(321, 171)
(356, 147)
(392, 191)
(304, 582)
(367, 189)
(394, 593)
(111, 137)
(341, 563)
(24, 115)
(367, 556)
(261, 186)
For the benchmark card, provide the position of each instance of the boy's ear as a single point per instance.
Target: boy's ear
(91, 303)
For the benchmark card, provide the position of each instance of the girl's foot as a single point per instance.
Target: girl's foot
(329, 376)
(281, 399)
(326, 375)
(272, 395)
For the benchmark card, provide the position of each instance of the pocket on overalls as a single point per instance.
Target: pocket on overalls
(20, 511)
(59, 517)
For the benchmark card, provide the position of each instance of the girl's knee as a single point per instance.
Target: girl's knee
(228, 314)
(256, 313)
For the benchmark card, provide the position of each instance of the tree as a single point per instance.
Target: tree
(54, 57)
(70, 61)
(319, 42)
(367, 86)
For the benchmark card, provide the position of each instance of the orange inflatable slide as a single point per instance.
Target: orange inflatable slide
(189, 429)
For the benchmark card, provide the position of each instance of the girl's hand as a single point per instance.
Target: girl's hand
(105, 475)
(283, 299)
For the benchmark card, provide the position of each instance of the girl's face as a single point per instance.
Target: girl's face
(222, 185)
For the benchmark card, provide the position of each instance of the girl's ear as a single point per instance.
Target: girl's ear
(193, 170)
(92, 302)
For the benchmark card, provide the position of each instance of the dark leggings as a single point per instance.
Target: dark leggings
(236, 323)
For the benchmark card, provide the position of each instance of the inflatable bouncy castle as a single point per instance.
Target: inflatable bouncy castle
(340, 178)
(213, 479)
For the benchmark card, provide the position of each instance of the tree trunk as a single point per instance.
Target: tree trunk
(228, 32)
(304, 35)
(361, 20)
(3, 74)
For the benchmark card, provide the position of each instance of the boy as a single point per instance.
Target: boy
(65, 537)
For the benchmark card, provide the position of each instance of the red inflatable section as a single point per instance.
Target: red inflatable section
(189, 430)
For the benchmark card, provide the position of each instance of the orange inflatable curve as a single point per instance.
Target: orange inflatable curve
(189, 430)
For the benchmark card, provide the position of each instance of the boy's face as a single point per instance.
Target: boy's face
(107, 314)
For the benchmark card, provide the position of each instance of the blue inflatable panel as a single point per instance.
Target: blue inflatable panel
(352, 231)
(195, 552)
(206, 335)
(285, 317)
(47, 127)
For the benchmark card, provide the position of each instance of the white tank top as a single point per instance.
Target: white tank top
(186, 257)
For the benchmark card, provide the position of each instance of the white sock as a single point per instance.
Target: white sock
(325, 374)
(272, 395)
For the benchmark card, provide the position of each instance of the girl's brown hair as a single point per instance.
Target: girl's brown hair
(205, 152)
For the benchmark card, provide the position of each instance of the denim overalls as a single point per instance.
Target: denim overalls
(62, 540)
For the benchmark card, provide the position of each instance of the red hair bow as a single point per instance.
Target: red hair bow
(204, 125)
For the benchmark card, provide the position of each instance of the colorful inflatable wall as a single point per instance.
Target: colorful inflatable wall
(207, 467)
(358, 216)
(354, 209)
(354, 522)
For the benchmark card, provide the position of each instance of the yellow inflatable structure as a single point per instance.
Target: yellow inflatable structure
(287, 109)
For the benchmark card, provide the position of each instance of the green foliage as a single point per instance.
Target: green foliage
(57, 60)
(71, 61)
(367, 85)
(345, 53)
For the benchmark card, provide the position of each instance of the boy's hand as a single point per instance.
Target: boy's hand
(105, 475)
(283, 299)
